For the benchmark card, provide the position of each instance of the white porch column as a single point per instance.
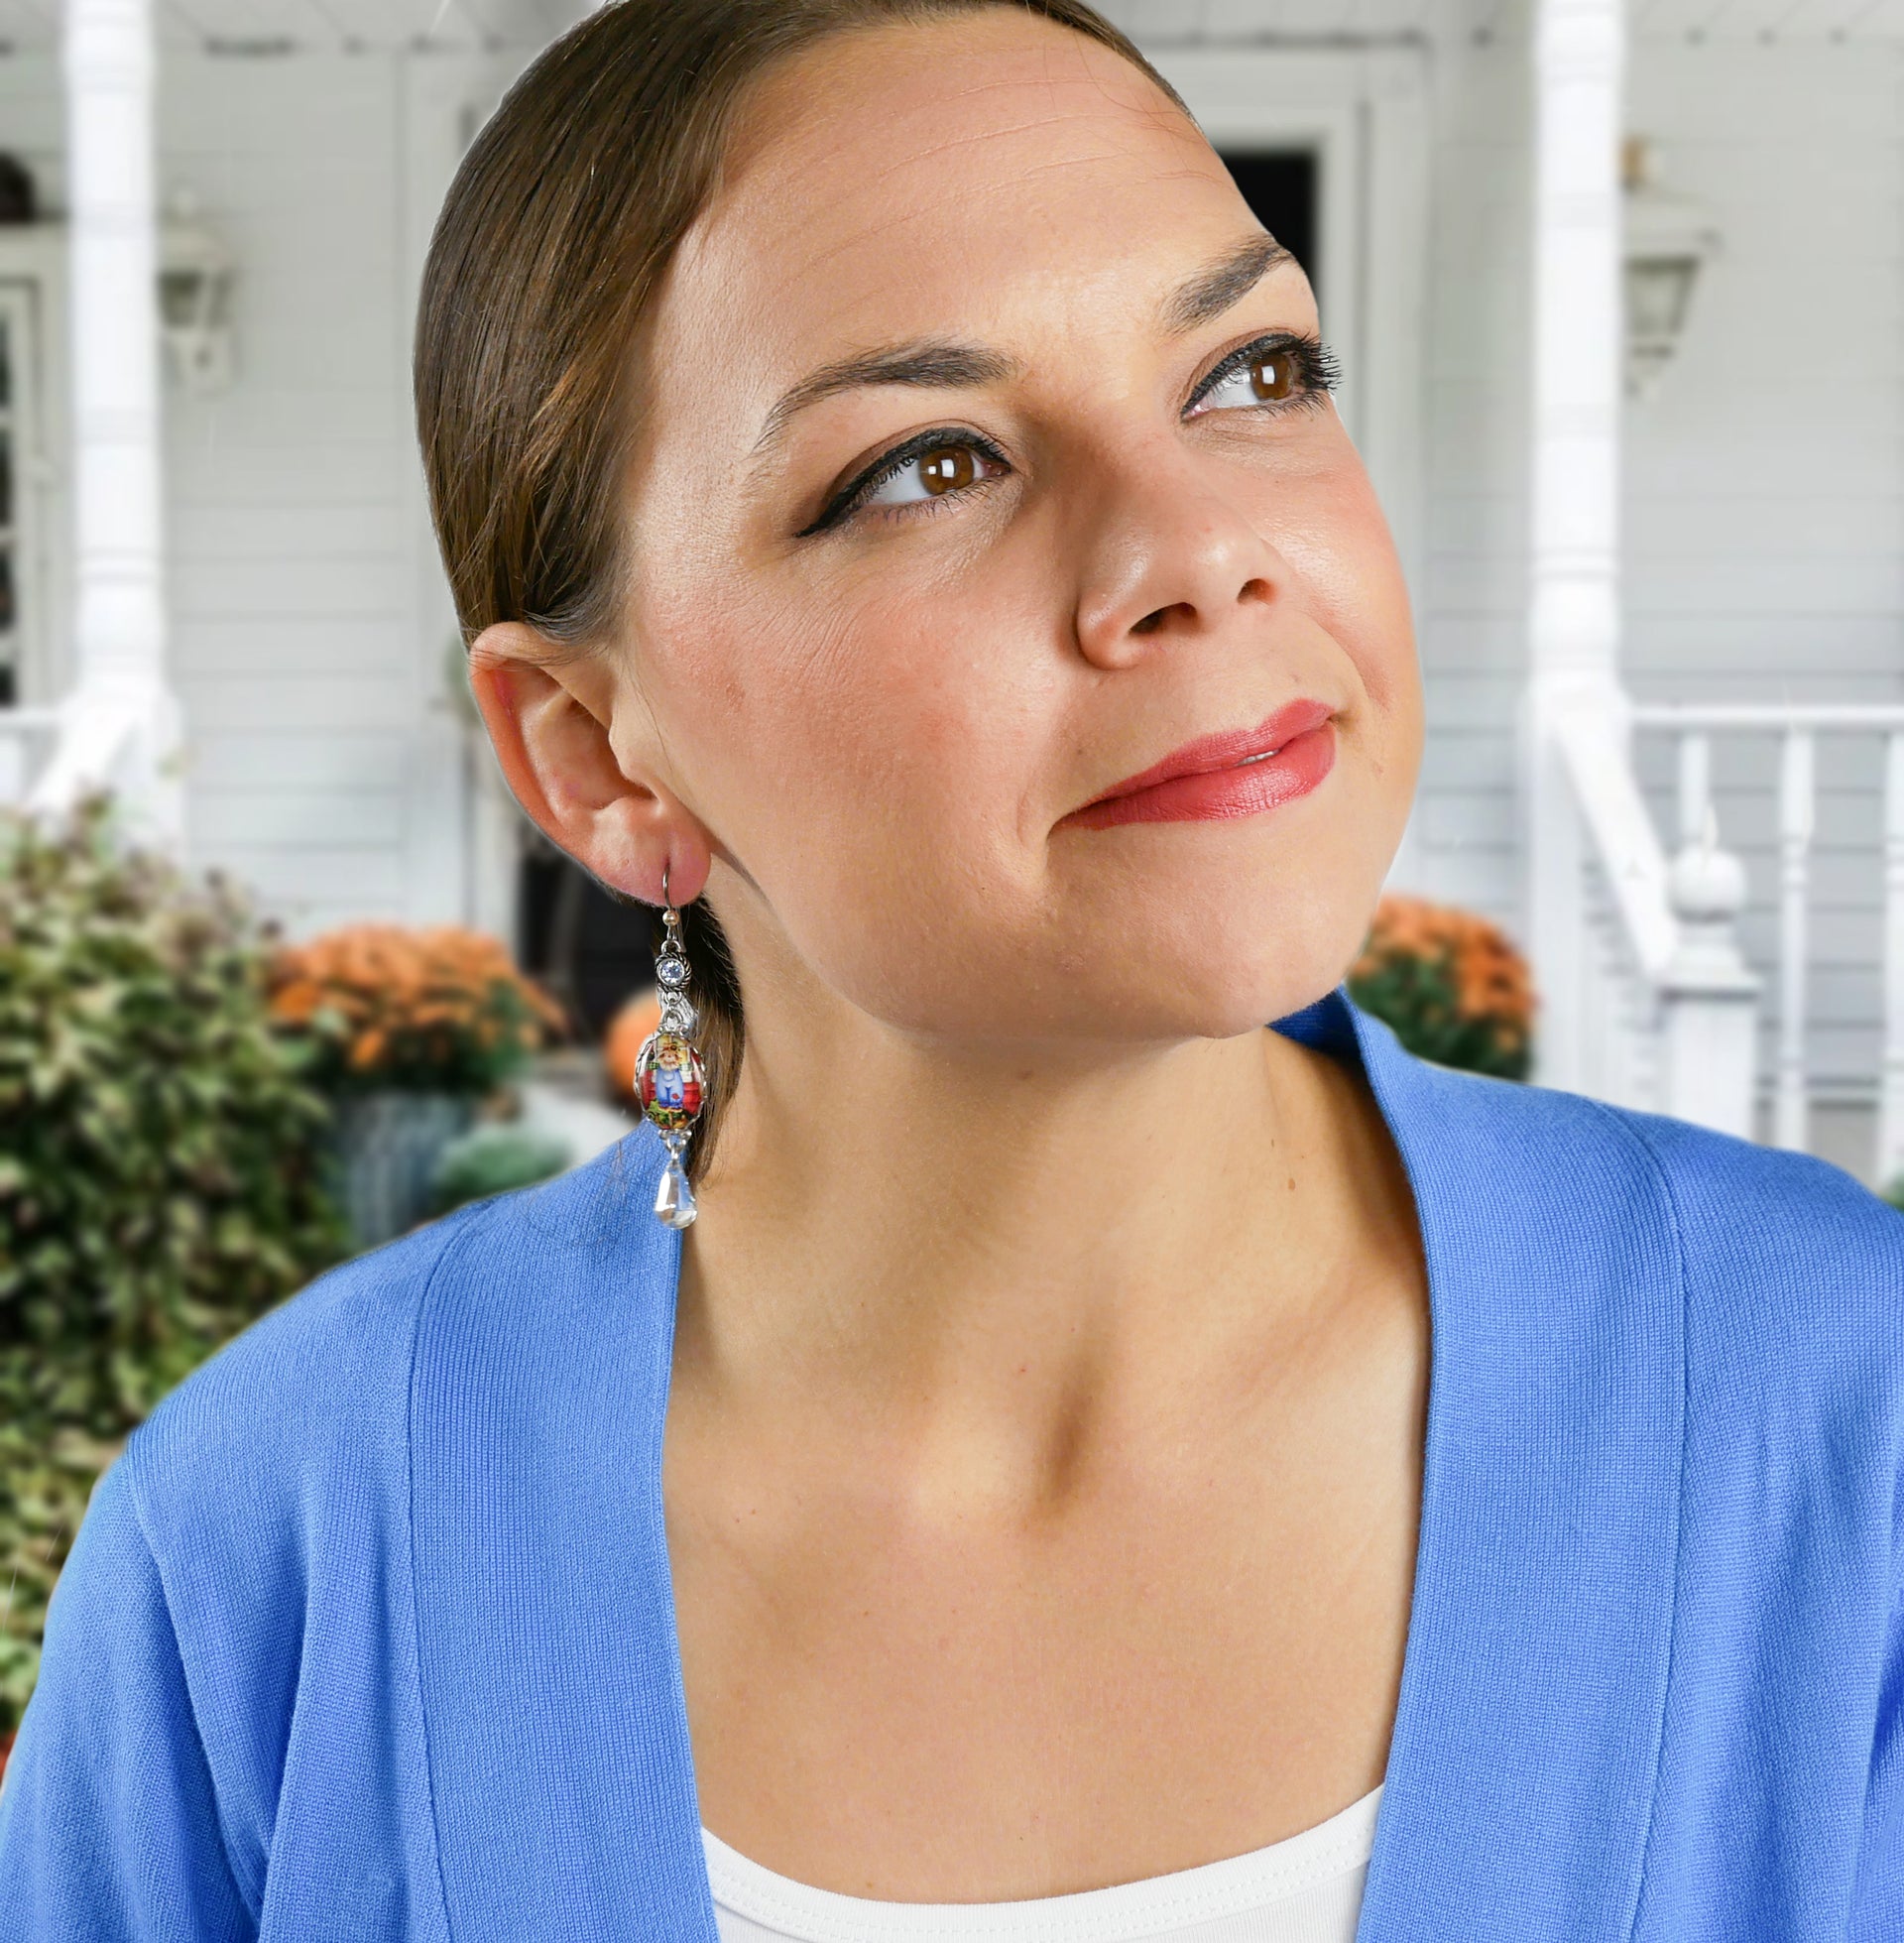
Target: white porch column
(1574, 623)
(122, 725)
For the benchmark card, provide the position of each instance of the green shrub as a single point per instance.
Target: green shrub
(490, 1160)
(161, 1172)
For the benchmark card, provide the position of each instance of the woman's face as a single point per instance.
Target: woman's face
(987, 465)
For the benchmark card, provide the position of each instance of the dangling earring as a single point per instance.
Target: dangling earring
(668, 1079)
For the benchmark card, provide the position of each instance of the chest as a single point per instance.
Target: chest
(1188, 1654)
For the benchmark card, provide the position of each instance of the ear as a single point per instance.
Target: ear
(548, 720)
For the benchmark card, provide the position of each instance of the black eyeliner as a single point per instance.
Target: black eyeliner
(881, 469)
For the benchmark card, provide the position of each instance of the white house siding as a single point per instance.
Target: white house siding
(306, 640)
(1472, 599)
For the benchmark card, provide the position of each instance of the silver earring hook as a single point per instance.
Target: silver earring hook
(665, 898)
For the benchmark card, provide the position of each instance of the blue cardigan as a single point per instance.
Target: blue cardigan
(369, 1633)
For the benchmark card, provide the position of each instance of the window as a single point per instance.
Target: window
(27, 511)
(16, 377)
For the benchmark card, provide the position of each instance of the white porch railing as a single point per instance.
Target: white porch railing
(1658, 1009)
(1800, 732)
(1647, 1001)
(27, 738)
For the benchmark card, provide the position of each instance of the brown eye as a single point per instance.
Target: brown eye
(1273, 377)
(1271, 372)
(949, 470)
(929, 471)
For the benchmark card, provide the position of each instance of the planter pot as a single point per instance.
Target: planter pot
(388, 1147)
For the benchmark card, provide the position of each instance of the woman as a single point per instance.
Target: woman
(892, 494)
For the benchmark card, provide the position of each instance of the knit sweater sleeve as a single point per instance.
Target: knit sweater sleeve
(1878, 1907)
(109, 1824)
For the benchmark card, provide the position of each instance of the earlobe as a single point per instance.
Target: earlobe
(549, 723)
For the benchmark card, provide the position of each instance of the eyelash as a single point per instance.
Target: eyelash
(1317, 375)
(1317, 371)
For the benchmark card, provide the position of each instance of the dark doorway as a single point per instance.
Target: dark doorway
(590, 950)
(1282, 187)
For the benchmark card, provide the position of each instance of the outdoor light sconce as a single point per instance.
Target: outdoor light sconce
(1668, 239)
(194, 299)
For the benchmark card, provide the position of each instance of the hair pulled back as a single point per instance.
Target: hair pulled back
(545, 262)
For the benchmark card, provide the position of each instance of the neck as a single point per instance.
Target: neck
(906, 1219)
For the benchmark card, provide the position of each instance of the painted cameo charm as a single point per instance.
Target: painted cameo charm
(668, 1081)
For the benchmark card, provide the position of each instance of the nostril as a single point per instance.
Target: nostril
(1151, 623)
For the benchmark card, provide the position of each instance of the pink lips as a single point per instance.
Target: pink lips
(1236, 773)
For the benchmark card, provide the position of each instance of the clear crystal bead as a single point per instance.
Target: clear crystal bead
(675, 1198)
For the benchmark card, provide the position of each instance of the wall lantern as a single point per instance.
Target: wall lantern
(194, 297)
(1667, 240)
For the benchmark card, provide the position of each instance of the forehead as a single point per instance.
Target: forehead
(898, 181)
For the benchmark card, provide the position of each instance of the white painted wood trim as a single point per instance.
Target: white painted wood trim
(1775, 716)
(1578, 332)
(1791, 1108)
(123, 728)
(121, 621)
(1622, 832)
(1890, 1105)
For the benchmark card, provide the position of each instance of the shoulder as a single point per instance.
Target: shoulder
(1789, 1274)
(315, 1398)
(326, 1364)
(1783, 1254)
(1790, 1212)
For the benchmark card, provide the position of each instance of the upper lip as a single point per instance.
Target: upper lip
(1224, 750)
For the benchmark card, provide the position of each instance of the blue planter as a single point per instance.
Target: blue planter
(388, 1147)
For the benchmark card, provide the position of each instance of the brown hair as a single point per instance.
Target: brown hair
(551, 245)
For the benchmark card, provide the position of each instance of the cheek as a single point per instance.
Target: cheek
(860, 737)
(1352, 585)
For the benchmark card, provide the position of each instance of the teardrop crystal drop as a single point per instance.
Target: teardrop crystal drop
(675, 1198)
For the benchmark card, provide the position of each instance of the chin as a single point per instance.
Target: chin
(1264, 945)
(1182, 986)
(1218, 1007)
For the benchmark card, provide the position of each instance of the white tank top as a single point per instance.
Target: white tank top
(1306, 1890)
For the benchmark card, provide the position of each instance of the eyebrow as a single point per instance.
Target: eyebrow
(1233, 275)
(928, 366)
(1207, 294)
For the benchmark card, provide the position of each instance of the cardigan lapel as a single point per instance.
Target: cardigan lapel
(1521, 1770)
(1524, 1764)
(549, 1659)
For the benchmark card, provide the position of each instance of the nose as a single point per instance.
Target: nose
(1169, 559)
